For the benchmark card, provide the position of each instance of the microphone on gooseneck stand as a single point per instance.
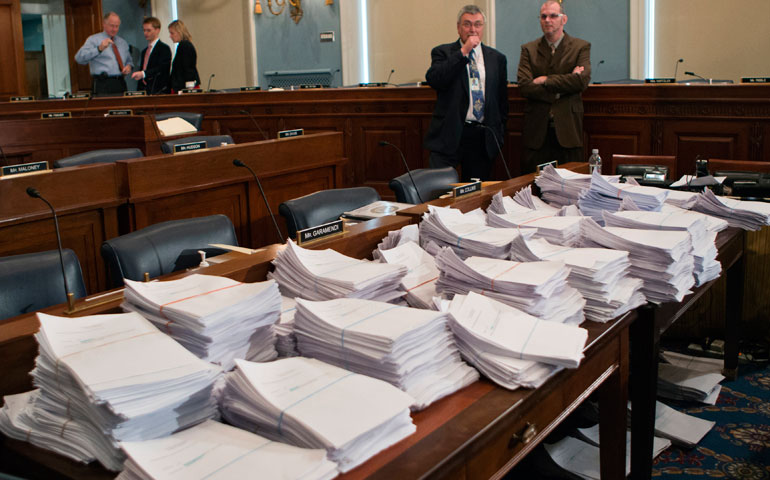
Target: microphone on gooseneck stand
(208, 87)
(499, 149)
(34, 193)
(334, 74)
(676, 67)
(601, 62)
(696, 75)
(246, 112)
(417, 190)
(387, 82)
(239, 163)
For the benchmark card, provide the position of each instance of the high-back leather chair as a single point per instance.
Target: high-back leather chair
(644, 162)
(324, 206)
(723, 165)
(33, 281)
(431, 182)
(211, 141)
(108, 155)
(165, 247)
(195, 119)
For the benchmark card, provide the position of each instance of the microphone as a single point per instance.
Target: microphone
(499, 149)
(695, 75)
(208, 87)
(239, 163)
(387, 82)
(246, 112)
(384, 143)
(334, 74)
(676, 68)
(597, 69)
(34, 193)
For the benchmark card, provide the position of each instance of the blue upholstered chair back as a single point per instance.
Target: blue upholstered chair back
(324, 206)
(432, 182)
(108, 155)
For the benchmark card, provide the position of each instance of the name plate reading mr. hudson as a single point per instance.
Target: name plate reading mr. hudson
(321, 231)
(56, 115)
(189, 147)
(467, 189)
(291, 133)
(24, 168)
(659, 80)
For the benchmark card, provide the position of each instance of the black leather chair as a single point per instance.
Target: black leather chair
(165, 247)
(324, 206)
(33, 281)
(638, 171)
(211, 141)
(196, 119)
(432, 183)
(109, 155)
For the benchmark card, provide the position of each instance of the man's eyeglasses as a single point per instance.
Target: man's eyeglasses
(469, 25)
(552, 16)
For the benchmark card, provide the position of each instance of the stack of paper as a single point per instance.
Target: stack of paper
(213, 450)
(119, 378)
(525, 198)
(601, 275)
(560, 187)
(713, 224)
(410, 348)
(326, 274)
(175, 126)
(286, 342)
(216, 318)
(682, 199)
(682, 429)
(538, 288)
(662, 259)
(680, 383)
(409, 233)
(510, 347)
(704, 248)
(738, 213)
(559, 230)
(311, 404)
(467, 234)
(420, 280)
(604, 195)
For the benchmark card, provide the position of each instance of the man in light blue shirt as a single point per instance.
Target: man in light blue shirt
(107, 56)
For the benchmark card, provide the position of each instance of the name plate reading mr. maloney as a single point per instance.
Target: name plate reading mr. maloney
(321, 231)
(189, 147)
(56, 115)
(120, 112)
(291, 133)
(467, 189)
(24, 168)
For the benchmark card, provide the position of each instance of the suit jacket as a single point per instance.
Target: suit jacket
(561, 95)
(156, 74)
(448, 75)
(184, 68)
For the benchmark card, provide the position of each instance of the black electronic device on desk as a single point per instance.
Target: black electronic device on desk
(646, 175)
(747, 185)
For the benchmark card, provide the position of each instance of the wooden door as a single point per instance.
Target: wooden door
(84, 18)
(12, 77)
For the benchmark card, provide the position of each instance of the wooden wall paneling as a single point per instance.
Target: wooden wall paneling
(728, 139)
(84, 18)
(12, 70)
(617, 136)
(761, 142)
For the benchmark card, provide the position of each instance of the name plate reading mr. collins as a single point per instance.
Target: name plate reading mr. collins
(467, 189)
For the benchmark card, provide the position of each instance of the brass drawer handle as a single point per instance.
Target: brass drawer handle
(526, 435)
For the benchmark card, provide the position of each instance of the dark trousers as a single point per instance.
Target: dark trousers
(471, 155)
(550, 151)
(105, 85)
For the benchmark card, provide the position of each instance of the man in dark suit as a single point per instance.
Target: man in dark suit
(471, 83)
(156, 60)
(553, 72)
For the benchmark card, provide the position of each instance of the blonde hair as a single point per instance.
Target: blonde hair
(179, 26)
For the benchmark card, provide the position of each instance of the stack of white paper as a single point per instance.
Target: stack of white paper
(216, 318)
(693, 362)
(713, 224)
(121, 379)
(420, 280)
(409, 233)
(604, 195)
(738, 213)
(326, 274)
(499, 340)
(662, 259)
(525, 198)
(538, 288)
(410, 348)
(680, 428)
(679, 383)
(559, 230)
(213, 450)
(286, 342)
(601, 275)
(560, 187)
(467, 234)
(682, 199)
(311, 404)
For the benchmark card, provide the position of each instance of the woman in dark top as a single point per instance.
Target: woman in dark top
(183, 68)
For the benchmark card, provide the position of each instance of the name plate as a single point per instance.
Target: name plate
(250, 89)
(321, 231)
(314, 85)
(185, 91)
(372, 84)
(120, 112)
(56, 115)
(659, 80)
(24, 168)
(81, 95)
(27, 98)
(467, 189)
(189, 147)
(297, 132)
(755, 79)
(138, 93)
(553, 163)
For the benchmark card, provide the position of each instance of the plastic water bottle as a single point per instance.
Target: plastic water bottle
(595, 161)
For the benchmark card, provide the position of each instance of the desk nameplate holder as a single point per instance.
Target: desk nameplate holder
(553, 163)
(320, 232)
(466, 189)
(54, 115)
(297, 132)
(190, 147)
(659, 80)
(138, 93)
(24, 169)
(26, 98)
(185, 91)
(250, 89)
(755, 79)
(81, 95)
(122, 112)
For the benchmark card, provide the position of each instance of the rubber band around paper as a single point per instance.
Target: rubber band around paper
(280, 417)
(64, 427)
(423, 283)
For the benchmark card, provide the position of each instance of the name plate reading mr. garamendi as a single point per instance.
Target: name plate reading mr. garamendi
(321, 231)
(467, 189)
(189, 147)
(291, 133)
